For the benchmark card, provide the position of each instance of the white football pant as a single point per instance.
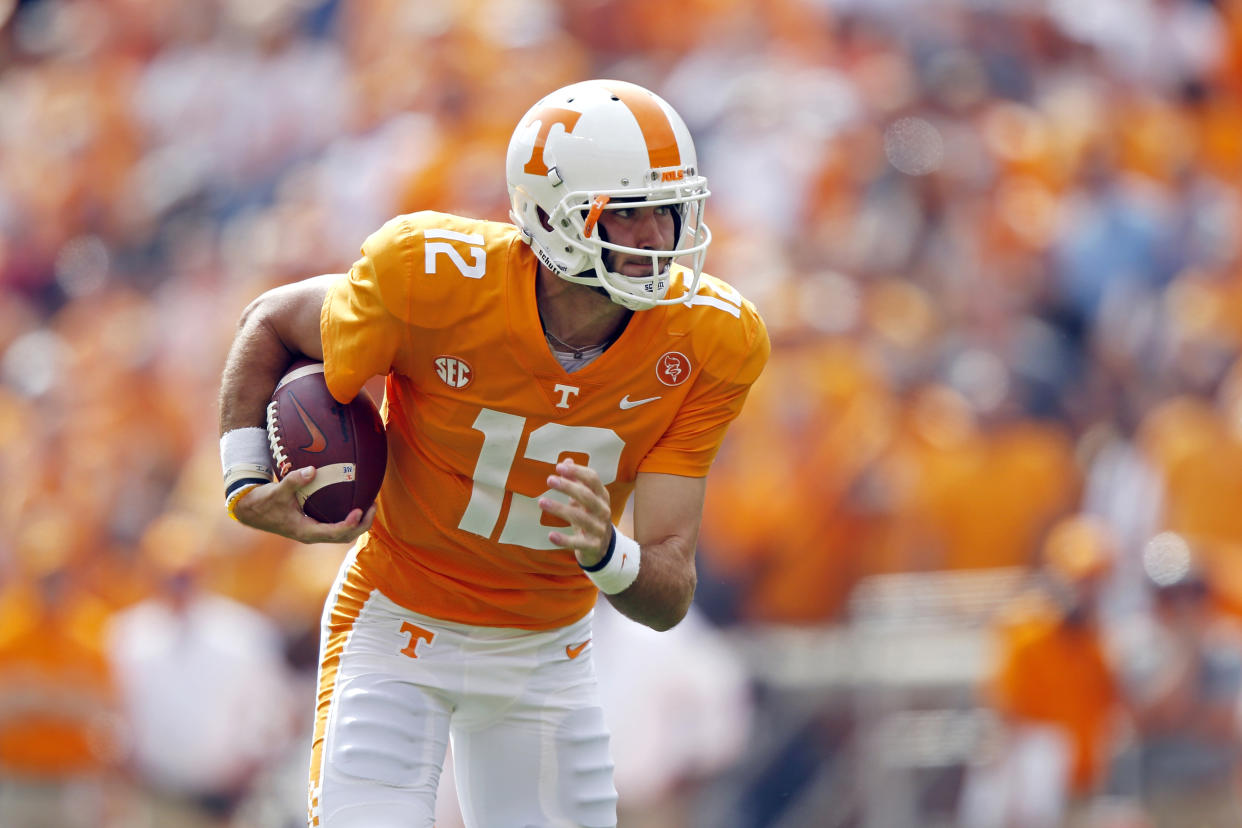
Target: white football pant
(522, 708)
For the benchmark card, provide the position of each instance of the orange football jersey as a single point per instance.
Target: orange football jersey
(479, 411)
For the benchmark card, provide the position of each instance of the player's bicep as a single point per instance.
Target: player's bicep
(361, 335)
(668, 507)
(293, 312)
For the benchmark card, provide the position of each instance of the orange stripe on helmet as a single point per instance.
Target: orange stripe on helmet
(656, 128)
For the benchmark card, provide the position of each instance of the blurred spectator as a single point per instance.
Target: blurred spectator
(1055, 690)
(204, 686)
(1195, 444)
(1116, 239)
(61, 733)
(1183, 675)
(791, 479)
(971, 490)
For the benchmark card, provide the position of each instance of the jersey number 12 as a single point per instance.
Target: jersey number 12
(502, 435)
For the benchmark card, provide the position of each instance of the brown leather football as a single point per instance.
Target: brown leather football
(345, 442)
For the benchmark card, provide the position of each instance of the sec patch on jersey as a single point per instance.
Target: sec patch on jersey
(346, 443)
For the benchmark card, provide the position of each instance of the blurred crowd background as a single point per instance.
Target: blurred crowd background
(973, 553)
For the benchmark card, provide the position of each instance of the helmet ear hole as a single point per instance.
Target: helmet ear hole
(543, 219)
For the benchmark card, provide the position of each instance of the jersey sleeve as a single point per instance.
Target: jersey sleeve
(393, 288)
(361, 323)
(738, 354)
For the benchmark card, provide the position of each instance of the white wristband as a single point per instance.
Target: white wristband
(245, 458)
(619, 567)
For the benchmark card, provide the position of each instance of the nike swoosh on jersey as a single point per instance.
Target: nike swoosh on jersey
(318, 441)
(626, 403)
(575, 651)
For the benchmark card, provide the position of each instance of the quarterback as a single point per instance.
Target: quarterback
(539, 375)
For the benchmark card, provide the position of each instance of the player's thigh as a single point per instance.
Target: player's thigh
(383, 756)
(546, 760)
(556, 771)
(382, 727)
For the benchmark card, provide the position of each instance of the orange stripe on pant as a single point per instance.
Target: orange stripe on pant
(351, 596)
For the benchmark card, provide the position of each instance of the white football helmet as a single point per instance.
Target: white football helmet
(600, 145)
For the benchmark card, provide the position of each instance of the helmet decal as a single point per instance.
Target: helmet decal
(547, 117)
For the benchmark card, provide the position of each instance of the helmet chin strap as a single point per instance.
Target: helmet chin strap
(621, 298)
(599, 288)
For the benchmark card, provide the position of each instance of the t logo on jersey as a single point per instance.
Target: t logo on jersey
(566, 391)
(673, 368)
(455, 372)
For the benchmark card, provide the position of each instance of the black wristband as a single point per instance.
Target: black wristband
(234, 485)
(603, 562)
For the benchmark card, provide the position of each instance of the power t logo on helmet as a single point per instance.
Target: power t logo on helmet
(605, 145)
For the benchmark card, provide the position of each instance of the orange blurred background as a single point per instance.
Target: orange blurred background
(997, 248)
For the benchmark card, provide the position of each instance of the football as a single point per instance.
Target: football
(346, 443)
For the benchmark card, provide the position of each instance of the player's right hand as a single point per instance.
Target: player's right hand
(273, 507)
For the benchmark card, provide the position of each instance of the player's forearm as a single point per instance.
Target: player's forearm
(660, 597)
(253, 366)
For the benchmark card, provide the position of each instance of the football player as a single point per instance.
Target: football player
(539, 374)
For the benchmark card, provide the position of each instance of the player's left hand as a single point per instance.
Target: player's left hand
(589, 511)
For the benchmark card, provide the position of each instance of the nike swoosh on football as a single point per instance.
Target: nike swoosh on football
(318, 441)
(627, 403)
(574, 652)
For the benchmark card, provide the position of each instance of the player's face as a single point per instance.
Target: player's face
(646, 228)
